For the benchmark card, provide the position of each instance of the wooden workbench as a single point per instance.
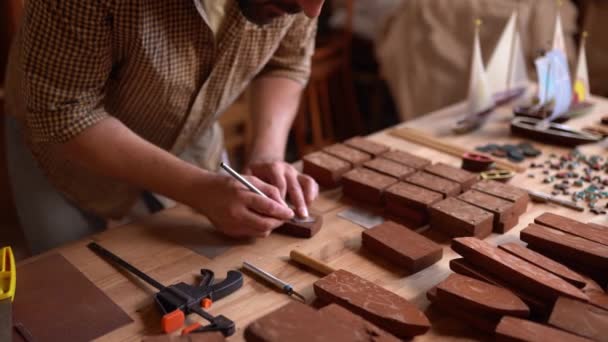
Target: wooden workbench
(161, 245)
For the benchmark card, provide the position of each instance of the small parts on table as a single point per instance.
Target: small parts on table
(515, 153)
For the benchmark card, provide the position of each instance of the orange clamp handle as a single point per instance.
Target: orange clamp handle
(172, 321)
(187, 330)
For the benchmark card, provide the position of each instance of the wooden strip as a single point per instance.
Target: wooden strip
(580, 318)
(311, 262)
(418, 137)
(574, 227)
(515, 329)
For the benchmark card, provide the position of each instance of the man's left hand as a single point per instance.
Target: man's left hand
(301, 189)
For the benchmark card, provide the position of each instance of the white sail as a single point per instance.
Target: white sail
(507, 66)
(560, 75)
(480, 94)
(559, 43)
(581, 83)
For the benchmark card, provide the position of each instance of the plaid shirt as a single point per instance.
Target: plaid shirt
(154, 65)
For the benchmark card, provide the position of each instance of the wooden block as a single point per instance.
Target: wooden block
(366, 185)
(598, 298)
(480, 297)
(325, 169)
(410, 202)
(484, 323)
(301, 229)
(367, 146)
(571, 247)
(514, 271)
(402, 246)
(503, 210)
(517, 329)
(372, 302)
(580, 318)
(389, 168)
(464, 178)
(457, 218)
(573, 227)
(519, 197)
(598, 226)
(354, 157)
(198, 337)
(545, 263)
(426, 180)
(295, 322)
(461, 266)
(364, 329)
(407, 159)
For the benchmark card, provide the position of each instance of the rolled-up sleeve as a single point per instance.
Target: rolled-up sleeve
(292, 59)
(66, 56)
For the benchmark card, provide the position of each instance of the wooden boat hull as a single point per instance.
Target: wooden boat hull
(555, 134)
(533, 111)
(504, 97)
(471, 122)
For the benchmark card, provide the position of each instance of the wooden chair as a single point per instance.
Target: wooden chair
(328, 111)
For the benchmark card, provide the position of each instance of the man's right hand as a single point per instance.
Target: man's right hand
(236, 211)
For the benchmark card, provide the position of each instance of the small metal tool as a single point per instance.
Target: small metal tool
(283, 286)
(538, 196)
(8, 283)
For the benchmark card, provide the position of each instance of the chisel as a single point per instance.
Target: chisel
(278, 283)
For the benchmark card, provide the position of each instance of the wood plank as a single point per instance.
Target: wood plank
(580, 318)
(516, 329)
(573, 227)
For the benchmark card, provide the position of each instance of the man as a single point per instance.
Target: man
(106, 94)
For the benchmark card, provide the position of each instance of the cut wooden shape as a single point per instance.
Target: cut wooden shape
(457, 218)
(482, 322)
(351, 155)
(598, 298)
(545, 263)
(568, 246)
(515, 271)
(599, 227)
(460, 266)
(443, 186)
(402, 246)
(407, 159)
(573, 227)
(302, 228)
(465, 178)
(367, 146)
(389, 168)
(383, 308)
(478, 296)
(327, 170)
(517, 329)
(503, 210)
(580, 318)
(519, 197)
(364, 329)
(366, 185)
(410, 202)
(295, 322)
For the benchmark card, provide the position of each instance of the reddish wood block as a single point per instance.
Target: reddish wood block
(598, 226)
(503, 210)
(597, 298)
(461, 266)
(354, 157)
(580, 318)
(516, 329)
(407, 159)
(482, 322)
(198, 337)
(464, 178)
(480, 297)
(364, 329)
(367, 146)
(402, 246)
(295, 322)
(545, 263)
(301, 229)
(566, 246)
(372, 302)
(519, 197)
(389, 168)
(457, 218)
(325, 169)
(573, 227)
(516, 272)
(410, 202)
(366, 185)
(426, 180)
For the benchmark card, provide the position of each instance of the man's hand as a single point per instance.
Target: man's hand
(299, 188)
(236, 211)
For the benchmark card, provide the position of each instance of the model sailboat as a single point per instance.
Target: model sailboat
(480, 99)
(507, 71)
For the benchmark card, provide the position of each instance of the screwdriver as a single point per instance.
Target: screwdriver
(283, 286)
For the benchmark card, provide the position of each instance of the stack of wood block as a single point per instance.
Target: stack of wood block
(413, 190)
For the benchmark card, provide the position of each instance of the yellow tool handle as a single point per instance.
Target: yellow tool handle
(8, 274)
(311, 262)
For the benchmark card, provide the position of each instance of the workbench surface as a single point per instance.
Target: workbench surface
(162, 245)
